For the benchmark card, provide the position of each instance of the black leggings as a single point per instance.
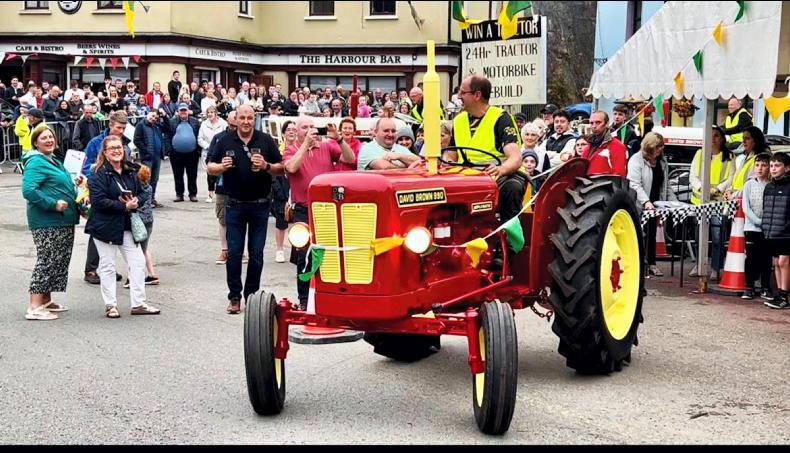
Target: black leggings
(758, 260)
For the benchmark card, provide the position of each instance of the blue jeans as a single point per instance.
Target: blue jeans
(239, 216)
(155, 165)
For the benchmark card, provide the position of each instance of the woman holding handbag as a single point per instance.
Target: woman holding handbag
(115, 224)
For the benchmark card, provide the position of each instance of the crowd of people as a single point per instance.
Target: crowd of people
(251, 176)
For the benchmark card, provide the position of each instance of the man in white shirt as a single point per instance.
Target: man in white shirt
(75, 88)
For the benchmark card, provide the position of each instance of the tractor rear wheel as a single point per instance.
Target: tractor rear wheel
(265, 373)
(598, 275)
(494, 390)
(403, 347)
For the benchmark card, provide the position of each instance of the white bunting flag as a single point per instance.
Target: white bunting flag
(2, 56)
(125, 61)
(77, 60)
(102, 63)
(24, 58)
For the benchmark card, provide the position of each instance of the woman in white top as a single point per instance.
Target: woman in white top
(210, 127)
(209, 100)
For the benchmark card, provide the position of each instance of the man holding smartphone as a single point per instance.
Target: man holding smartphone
(247, 180)
(307, 158)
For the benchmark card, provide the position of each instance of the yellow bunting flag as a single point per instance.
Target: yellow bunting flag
(641, 119)
(718, 34)
(382, 245)
(679, 83)
(475, 248)
(777, 106)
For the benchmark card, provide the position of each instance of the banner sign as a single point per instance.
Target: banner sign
(516, 67)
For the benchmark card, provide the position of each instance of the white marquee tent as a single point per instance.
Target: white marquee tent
(753, 59)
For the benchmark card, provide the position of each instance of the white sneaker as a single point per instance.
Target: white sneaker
(209, 200)
(279, 256)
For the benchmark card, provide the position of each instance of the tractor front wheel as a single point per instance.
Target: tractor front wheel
(265, 373)
(494, 390)
(598, 275)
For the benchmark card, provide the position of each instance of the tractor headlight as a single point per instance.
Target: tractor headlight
(299, 235)
(418, 240)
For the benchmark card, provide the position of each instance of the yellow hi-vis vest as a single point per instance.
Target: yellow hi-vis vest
(718, 173)
(742, 173)
(733, 121)
(484, 137)
(415, 114)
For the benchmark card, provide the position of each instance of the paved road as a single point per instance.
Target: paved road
(708, 369)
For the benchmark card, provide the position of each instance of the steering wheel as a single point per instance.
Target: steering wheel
(465, 162)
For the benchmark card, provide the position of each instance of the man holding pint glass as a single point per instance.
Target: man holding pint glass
(246, 160)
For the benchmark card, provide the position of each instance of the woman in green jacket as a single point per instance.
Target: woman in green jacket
(51, 216)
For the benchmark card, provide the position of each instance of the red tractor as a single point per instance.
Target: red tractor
(581, 259)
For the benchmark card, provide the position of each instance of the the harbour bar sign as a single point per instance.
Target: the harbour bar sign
(516, 67)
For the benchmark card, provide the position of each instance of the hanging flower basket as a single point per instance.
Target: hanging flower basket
(684, 108)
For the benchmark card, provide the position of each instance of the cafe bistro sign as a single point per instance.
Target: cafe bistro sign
(80, 48)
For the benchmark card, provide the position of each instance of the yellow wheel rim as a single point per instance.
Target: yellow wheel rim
(480, 378)
(278, 363)
(619, 279)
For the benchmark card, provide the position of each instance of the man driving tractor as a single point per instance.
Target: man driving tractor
(493, 130)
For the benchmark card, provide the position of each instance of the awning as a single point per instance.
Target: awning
(746, 63)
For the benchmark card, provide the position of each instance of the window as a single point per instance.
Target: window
(109, 5)
(36, 5)
(364, 83)
(244, 8)
(200, 74)
(382, 8)
(322, 8)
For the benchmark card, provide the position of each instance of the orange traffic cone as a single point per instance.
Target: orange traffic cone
(661, 246)
(733, 277)
(310, 334)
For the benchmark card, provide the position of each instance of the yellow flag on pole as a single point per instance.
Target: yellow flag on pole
(641, 119)
(128, 9)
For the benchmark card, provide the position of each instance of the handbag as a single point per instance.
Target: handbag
(288, 211)
(139, 232)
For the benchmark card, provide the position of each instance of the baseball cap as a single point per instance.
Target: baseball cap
(36, 112)
(549, 108)
(520, 116)
(183, 106)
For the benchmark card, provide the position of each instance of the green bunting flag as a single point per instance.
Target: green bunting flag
(657, 104)
(622, 133)
(460, 15)
(698, 61)
(514, 233)
(508, 20)
(316, 258)
(741, 10)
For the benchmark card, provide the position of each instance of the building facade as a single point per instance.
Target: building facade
(297, 43)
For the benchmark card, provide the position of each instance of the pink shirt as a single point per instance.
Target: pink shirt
(319, 160)
(355, 146)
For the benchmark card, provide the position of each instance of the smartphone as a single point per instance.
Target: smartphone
(321, 131)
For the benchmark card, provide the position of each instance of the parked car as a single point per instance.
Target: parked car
(580, 111)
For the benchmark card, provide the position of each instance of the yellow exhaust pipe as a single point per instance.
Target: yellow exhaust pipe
(431, 112)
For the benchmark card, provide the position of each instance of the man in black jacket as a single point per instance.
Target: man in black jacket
(174, 86)
(85, 129)
(627, 134)
(50, 104)
(149, 142)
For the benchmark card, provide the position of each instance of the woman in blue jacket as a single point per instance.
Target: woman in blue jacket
(114, 189)
(51, 216)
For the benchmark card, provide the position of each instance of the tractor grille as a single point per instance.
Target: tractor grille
(325, 221)
(359, 229)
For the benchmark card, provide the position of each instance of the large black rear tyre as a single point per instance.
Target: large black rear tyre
(598, 278)
(265, 374)
(494, 390)
(403, 347)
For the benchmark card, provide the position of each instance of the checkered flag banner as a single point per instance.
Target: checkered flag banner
(724, 209)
